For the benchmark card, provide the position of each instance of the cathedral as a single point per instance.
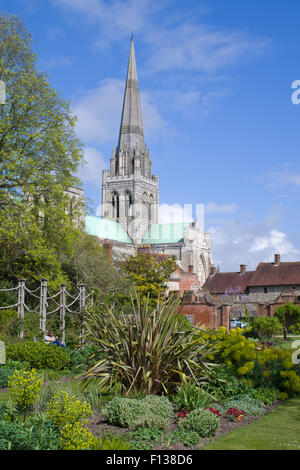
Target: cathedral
(130, 198)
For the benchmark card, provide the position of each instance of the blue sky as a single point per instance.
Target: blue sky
(215, 79)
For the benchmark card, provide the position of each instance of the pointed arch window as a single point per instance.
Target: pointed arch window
(128, 204)
(151, 208)
(115, 205)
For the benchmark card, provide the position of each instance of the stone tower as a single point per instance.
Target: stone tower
(130, 193)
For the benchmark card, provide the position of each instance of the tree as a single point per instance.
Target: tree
(264, 327)
(149, 273)
(288, 315)
(39, 154)
(90, 265)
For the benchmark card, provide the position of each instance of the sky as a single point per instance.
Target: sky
(219, 113)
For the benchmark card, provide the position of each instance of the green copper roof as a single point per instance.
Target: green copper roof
(165, 233)
(104, 228)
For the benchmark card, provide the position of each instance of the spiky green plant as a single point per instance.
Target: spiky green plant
(145, 351)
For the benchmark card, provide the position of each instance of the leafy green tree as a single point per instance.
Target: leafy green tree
(39, 154)
(90, 265)
(264, 327)
(288, 315)
(149, 273)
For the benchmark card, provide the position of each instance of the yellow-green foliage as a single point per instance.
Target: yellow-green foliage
(75, 437)
(234, 349)
(64, 409)
(24, 387)
(292, 380)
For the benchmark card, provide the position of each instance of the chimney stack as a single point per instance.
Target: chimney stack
(277, 259)
(242, 268)
(213, 270)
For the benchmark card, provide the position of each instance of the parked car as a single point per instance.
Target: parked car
(236, 323)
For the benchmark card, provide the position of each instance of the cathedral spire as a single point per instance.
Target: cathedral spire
(131, 136)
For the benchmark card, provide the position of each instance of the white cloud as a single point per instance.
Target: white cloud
(283, 177)
(175, 213)
(276, 241)
(236, 242)
(212, 207)
(176, 40)
(190, 46)
(99, 110)
(91, 171)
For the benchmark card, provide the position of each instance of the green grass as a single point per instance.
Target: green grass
(279, 430)
(287, 344)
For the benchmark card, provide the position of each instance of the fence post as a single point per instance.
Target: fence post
(43, 305)
(81, 311)
(62, 313)
(21, 307)
(92, 298)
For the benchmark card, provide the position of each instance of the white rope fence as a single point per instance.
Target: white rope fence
(62, 301)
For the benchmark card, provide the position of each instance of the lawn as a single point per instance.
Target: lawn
(288, 344)
(279, 430)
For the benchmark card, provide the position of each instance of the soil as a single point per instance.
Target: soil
(98, 425)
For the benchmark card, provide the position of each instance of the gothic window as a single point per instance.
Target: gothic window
(151, 208)
(115, 206)
(128, 204)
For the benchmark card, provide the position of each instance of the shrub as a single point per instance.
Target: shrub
(75, 437)
(64, 409)
(9, 324)
(7, 370)
(24, 387)
(225, 384)
(111, 442)
(190, 397)
(144, 438)
(264, 327)
(38, 434)
(274, 367)
(237, 352)
(40, 355)
(265, 394)
(130, 413)
(288, 315)
(202, 422)
(214, 411)
(5, 373)
(188, 438)
(234, 414)
(81, 358)
(145, 350)
(249, 405)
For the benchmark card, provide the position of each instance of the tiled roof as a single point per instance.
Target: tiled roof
(230, 283)
(266, 274)
(269, 274)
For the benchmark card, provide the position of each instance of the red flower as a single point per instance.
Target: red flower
(214, 411)
(182, 414)
(235, 413)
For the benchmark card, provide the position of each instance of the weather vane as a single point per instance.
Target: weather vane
(132, 36)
